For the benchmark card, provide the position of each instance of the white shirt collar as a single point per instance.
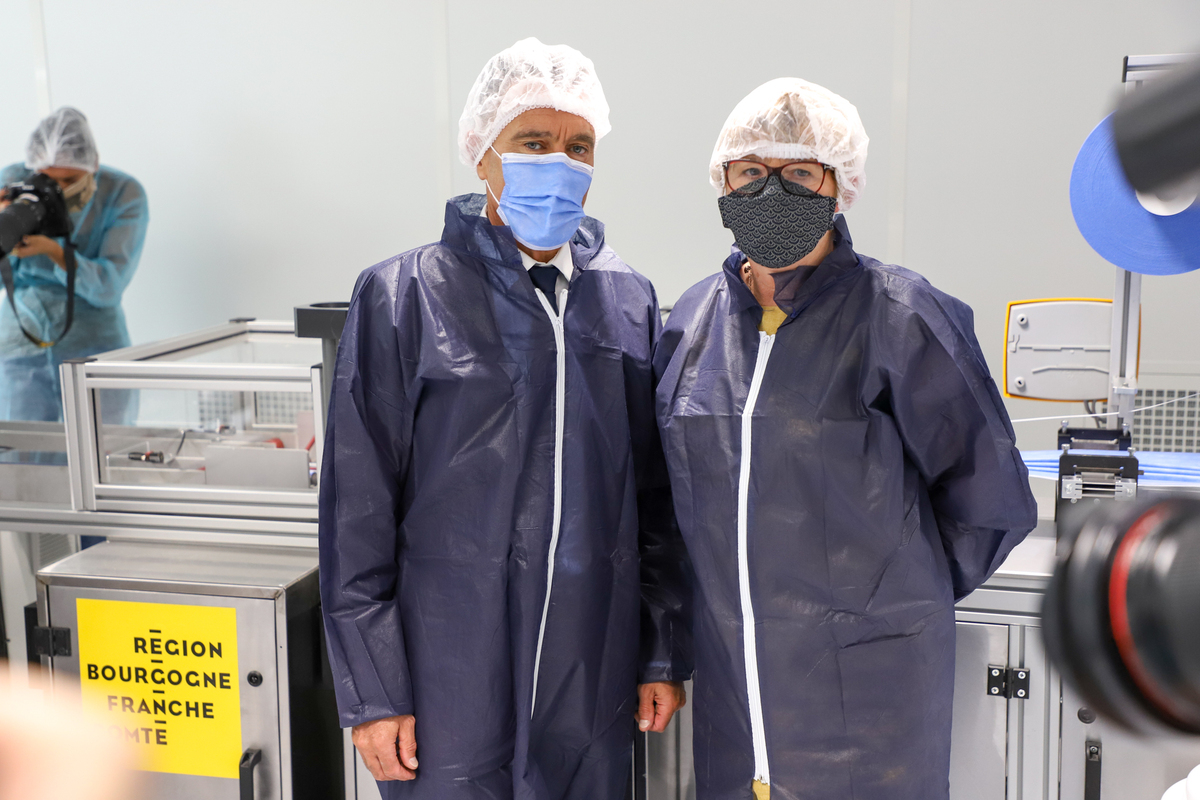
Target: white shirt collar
(562, 259)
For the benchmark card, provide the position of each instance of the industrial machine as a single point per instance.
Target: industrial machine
(196, 626)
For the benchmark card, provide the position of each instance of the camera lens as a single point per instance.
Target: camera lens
(19, 220)
(1120, 612)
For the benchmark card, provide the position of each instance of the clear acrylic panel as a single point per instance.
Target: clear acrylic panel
(251, 348)
(199, 437)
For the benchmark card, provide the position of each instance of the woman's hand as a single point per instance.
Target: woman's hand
(40, 246)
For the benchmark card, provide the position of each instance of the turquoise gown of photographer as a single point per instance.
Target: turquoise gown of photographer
(108, 233)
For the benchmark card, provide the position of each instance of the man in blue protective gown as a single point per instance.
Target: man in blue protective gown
(843, 471)
(109, 217)
(500, 566)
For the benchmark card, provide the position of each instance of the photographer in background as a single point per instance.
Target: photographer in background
(109, 216)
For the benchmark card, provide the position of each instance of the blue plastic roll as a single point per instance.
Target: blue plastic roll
(1117, 226)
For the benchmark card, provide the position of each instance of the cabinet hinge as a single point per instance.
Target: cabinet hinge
(51, 641)
(1008, 682)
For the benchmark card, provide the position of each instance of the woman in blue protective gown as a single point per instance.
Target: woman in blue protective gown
(843, 471)
(109, 217)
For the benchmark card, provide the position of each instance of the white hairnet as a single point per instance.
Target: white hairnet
(792, 118)
(529, 75)
(63, 139)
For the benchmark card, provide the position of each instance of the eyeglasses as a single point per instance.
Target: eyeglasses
(750, 177)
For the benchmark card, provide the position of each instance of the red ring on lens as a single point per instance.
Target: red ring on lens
(1118, 608)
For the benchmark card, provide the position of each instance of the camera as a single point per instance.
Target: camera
(1121, 613)
(38, 208)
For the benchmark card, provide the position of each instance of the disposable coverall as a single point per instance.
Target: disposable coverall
(839, 486)
(439, 495)
(108, 234)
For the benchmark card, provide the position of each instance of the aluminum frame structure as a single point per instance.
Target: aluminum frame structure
(199, 514)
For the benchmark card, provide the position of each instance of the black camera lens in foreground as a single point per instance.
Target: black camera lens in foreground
(1122, 612)
(1155, 130)
(18, 221)
(37, 207)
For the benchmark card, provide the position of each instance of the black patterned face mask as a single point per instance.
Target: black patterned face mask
(776, 228)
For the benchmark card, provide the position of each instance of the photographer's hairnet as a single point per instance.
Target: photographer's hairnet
(529, 75)
(792, 118)
(63, 139)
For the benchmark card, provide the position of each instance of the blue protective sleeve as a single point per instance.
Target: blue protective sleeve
(955, 430)
(366, 458)
(666, 649)
(101, 278)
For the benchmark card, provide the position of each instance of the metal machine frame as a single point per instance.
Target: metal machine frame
(138, 368)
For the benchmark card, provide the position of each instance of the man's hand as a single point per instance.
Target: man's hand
(40, 246)
(657, 703)
(388, 747)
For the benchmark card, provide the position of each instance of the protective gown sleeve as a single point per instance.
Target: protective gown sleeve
(666, 573)
(367, 452)
(101, 280)
(955, 431)
(12, 173)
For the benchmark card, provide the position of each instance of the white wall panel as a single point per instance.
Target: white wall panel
(1002, 97)
(17, 88)
(18, 84)
(284, 146)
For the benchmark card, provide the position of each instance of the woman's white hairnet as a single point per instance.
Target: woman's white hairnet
(529, 75)
(63, 139)
(792, 118)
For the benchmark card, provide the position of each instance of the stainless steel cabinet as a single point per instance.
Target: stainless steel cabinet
(360, 785)
(207, 660)
(1127, 767)
(979, 740)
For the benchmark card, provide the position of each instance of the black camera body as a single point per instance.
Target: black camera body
(38, 208)
(1122, 612)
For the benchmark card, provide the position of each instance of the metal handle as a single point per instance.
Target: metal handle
(246, 773)
(1091, 773)
(641, 756)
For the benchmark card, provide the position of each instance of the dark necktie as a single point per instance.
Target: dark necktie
(546, 278)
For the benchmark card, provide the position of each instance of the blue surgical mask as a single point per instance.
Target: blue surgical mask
(542, 199)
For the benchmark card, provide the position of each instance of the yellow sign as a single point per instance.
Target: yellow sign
(167, 677)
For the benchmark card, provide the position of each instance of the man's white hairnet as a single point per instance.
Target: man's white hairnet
(62, 139)
(792, 118)
(529, 75)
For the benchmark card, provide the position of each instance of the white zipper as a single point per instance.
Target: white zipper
(762, 770)
(560, 392)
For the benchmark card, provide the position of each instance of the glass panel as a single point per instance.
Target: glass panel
(29, 387)
(252, 348)
(33, 463)
(193, 437)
